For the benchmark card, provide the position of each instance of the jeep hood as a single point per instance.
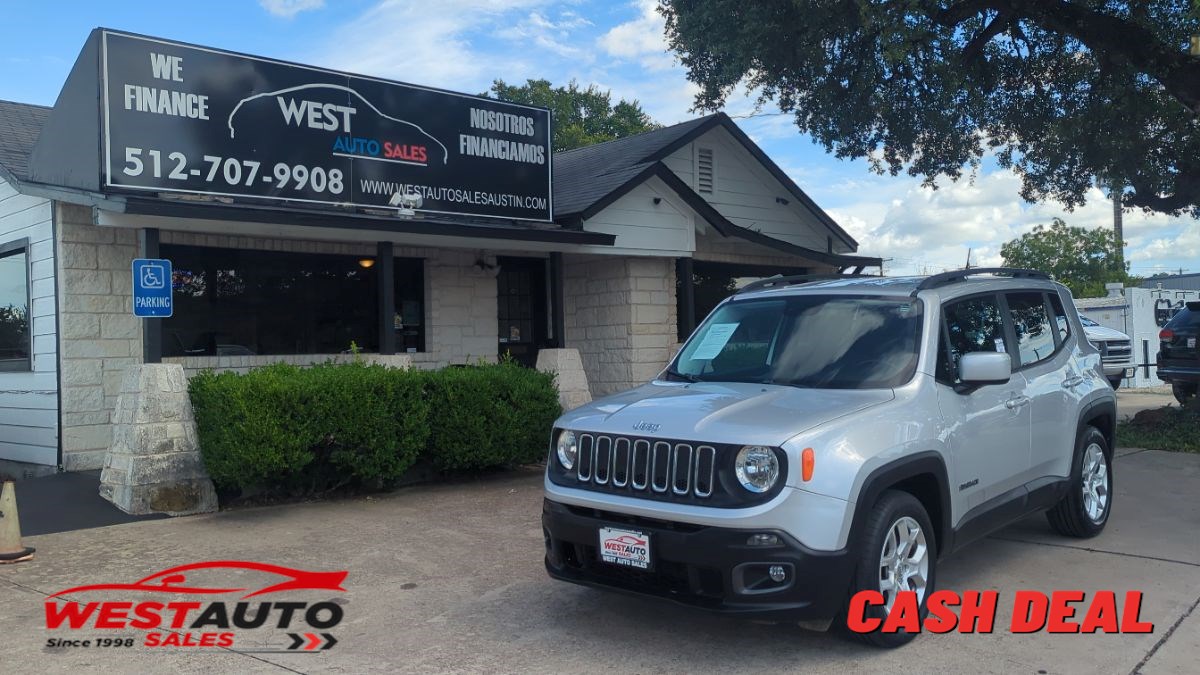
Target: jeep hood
(720, 412)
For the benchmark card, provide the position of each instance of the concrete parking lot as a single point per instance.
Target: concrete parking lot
(450, 578)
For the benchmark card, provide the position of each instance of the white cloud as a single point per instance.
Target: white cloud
(436, 44)
(289, 8)
(641, 40)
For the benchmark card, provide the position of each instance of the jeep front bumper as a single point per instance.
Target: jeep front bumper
(712, 568)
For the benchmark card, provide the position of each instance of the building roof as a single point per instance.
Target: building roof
(590, 178)
(20, 124)
(1175, 282)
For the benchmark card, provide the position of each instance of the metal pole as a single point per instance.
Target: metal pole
(687, 296)
(558, 307)
(385, 262)
(152, 333)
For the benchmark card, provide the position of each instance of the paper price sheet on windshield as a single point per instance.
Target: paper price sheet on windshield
(714, 340)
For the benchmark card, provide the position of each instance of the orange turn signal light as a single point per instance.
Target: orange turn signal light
(806, 464)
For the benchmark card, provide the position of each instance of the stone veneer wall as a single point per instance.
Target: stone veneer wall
(620, 315)
(244, 364)
(98, 336)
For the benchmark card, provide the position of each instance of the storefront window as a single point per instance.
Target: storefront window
(712, 282)
(231, 302)
(14, 307)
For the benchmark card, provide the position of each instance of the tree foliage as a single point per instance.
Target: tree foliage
(1067, 92)
(1083, 260)
(581, 116)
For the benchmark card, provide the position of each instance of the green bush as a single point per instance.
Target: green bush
(303, 430)
(484, 416)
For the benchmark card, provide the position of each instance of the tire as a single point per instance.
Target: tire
(1115, 383)
(893, 511)
(1084, 510)
(1183, 392)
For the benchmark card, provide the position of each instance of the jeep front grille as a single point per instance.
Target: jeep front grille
(647, 466)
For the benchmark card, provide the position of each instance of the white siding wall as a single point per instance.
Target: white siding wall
(643, 227)
(744, 192)
(29, 401)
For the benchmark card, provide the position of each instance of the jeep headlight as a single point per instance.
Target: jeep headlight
(757, 468)
(567, 449)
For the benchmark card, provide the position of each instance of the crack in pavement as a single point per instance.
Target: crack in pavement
(1163, 640)
(44, 594)
(1096, 550)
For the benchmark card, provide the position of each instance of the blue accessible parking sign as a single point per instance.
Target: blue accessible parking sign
(152, 288)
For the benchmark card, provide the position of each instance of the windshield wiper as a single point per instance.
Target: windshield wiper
(682, 376)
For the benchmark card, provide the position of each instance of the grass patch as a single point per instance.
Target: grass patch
(1173, 429)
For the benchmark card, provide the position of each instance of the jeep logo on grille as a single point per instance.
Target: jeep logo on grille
(646, 426)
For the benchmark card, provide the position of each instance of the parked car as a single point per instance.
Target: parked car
(1116, 350)
(814, 439)
(1178, 355)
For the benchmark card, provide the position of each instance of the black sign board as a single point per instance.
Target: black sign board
(187, 119)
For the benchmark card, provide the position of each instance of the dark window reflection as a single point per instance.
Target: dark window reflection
(1035, 337)
(231, 302)
(973, 325)
(715, 281)
(14, 311)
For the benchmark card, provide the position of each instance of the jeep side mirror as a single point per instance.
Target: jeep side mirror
(985, 368)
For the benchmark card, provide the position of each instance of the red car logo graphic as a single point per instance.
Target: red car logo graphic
(173, 580)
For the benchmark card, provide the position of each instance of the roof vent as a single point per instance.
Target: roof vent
(704, 170)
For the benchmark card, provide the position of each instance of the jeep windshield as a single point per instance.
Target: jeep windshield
(818, 341)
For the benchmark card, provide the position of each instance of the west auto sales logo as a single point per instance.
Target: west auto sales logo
(197, 621)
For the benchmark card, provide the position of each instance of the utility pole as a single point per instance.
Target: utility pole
(1118, 225)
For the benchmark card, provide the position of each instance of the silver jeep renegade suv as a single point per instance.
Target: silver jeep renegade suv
(813, 439)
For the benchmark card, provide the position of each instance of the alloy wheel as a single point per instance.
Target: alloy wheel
(904, 561)
(1095, 483)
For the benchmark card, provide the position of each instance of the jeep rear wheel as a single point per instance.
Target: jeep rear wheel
(1083, 511)
(1183, 392)
(897, 552)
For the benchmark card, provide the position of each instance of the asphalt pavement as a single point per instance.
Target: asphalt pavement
(449, 578)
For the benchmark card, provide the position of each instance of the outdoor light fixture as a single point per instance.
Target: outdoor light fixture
(781, 200)
(406, 203)
(366, 263)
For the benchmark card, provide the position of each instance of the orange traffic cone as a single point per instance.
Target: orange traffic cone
(11, 550)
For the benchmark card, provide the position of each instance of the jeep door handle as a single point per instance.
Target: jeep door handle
(1016, 402)
(1072, 382)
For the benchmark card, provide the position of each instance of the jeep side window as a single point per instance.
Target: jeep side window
(971, 325)
(1035, 337)
(1060, 317)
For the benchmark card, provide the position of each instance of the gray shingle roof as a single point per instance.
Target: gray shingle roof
(20, 124)
(584, 176)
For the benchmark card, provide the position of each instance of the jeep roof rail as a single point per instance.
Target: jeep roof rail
(780, 280)
(947, 278)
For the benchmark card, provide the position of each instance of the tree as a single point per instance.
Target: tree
(581, 116)
(1083, 260)
(1070, 93)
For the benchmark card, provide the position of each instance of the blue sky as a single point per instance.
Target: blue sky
(464, 44)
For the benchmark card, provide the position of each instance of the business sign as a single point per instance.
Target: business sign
(152, 288)
(181, 118)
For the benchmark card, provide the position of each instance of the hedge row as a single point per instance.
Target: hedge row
(302, 430)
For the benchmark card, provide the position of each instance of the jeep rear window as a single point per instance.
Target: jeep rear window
(818, 341)
(1188, 317)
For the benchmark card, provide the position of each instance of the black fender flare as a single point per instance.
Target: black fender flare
(899, 470)
(1100, 408)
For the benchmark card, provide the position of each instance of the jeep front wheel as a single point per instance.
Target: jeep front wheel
(1083, 511)
(897, 552)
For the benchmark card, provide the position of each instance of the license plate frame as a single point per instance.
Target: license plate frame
(626, 548)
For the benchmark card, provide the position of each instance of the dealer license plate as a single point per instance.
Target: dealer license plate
(1191, 343)
(629, 548)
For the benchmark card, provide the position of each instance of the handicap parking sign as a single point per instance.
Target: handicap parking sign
(152, 288)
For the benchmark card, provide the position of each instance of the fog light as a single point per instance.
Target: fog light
(762, 539)
(777, 573)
